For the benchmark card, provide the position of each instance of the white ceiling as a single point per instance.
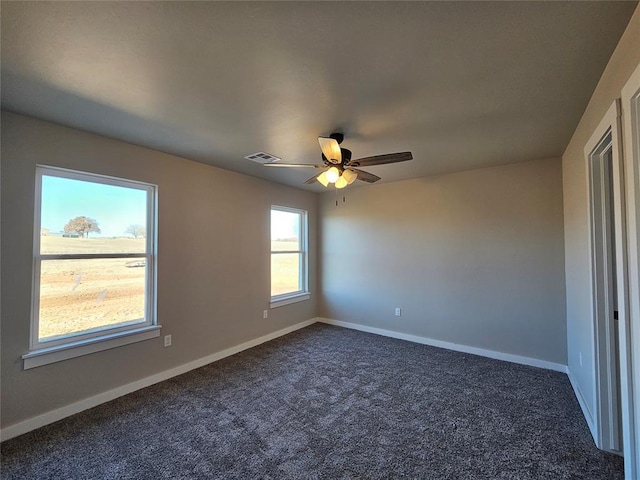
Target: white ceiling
(460, 84)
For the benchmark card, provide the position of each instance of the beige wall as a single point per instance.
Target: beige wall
(580, 333)
(213, 263)
(474, 258)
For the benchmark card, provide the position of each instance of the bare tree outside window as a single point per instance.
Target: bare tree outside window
(138, 231)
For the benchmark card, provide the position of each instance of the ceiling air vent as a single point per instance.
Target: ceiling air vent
(262, 157)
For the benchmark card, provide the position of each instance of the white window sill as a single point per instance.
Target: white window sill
(45, 356)
(288, 300)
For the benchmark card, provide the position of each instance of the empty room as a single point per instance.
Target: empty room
(320, 240)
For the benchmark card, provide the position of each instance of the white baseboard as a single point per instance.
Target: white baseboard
(588, 416)
(77, 407)
(507, 357)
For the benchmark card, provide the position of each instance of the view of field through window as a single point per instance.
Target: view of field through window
(286, 252)
(82, 295)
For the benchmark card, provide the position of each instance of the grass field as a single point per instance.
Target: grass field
(50, 244)
(77, 296)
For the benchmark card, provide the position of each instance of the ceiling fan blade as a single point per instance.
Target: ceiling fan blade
(381, 159)
(331, 149)
(313, 179)
(293, 165)
(366, 176)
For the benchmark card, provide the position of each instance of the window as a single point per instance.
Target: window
(94, 264)
(288, 255)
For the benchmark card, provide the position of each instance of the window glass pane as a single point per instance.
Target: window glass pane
(285, 231)
(88, 217)
(78, 296)
(285, 273)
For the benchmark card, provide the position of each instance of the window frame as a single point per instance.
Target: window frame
(303, 271)
(49, 351)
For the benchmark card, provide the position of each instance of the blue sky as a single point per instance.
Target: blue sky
(114, 208)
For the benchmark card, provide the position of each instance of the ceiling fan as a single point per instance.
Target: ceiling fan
(338, 167)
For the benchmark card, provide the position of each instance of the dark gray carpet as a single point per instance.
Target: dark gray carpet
(326, 402)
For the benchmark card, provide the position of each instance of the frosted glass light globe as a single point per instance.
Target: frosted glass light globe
(350, 176)
(322, 178)
(341, 182)
(332, 174)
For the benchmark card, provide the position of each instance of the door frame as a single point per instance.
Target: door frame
(630, 370)
(607, 428)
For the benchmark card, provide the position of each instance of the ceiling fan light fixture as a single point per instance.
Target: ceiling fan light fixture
(332, 174)
(350, 176)
(341, 182)
(322, 178)
(331, 149)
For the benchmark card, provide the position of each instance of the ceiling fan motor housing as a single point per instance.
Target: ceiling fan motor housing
(346, 158)
(338, 137)
(346, 155)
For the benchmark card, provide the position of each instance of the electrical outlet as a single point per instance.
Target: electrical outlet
(265, 314)
(167, 340)
(398, 312)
